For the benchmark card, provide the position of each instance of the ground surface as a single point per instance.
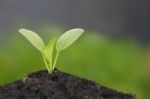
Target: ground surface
(58, 85)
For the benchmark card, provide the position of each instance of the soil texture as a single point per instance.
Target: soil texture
(58, 85)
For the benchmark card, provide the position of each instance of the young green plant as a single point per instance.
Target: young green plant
(63, 42)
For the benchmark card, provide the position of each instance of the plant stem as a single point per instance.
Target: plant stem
(56, 57)
(45, 63)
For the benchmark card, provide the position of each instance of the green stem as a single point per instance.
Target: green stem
(56, 58)
(51, 62)
(45, 63)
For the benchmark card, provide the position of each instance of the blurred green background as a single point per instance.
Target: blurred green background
(121, 64)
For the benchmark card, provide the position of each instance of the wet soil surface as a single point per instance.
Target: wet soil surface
(58, 85)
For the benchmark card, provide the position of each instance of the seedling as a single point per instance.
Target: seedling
(63, 42)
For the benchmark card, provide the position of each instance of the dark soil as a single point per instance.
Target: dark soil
(58, 85)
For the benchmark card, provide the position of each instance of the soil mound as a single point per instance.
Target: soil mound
(58, 85)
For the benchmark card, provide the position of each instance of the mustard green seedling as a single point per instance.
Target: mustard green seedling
(63, 42)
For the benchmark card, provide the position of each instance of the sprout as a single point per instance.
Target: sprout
(63, 42)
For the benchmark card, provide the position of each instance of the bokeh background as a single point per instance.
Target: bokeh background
(114, 50)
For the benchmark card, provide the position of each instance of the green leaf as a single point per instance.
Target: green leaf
(48, 51)
(34, 39)
(68, 38)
